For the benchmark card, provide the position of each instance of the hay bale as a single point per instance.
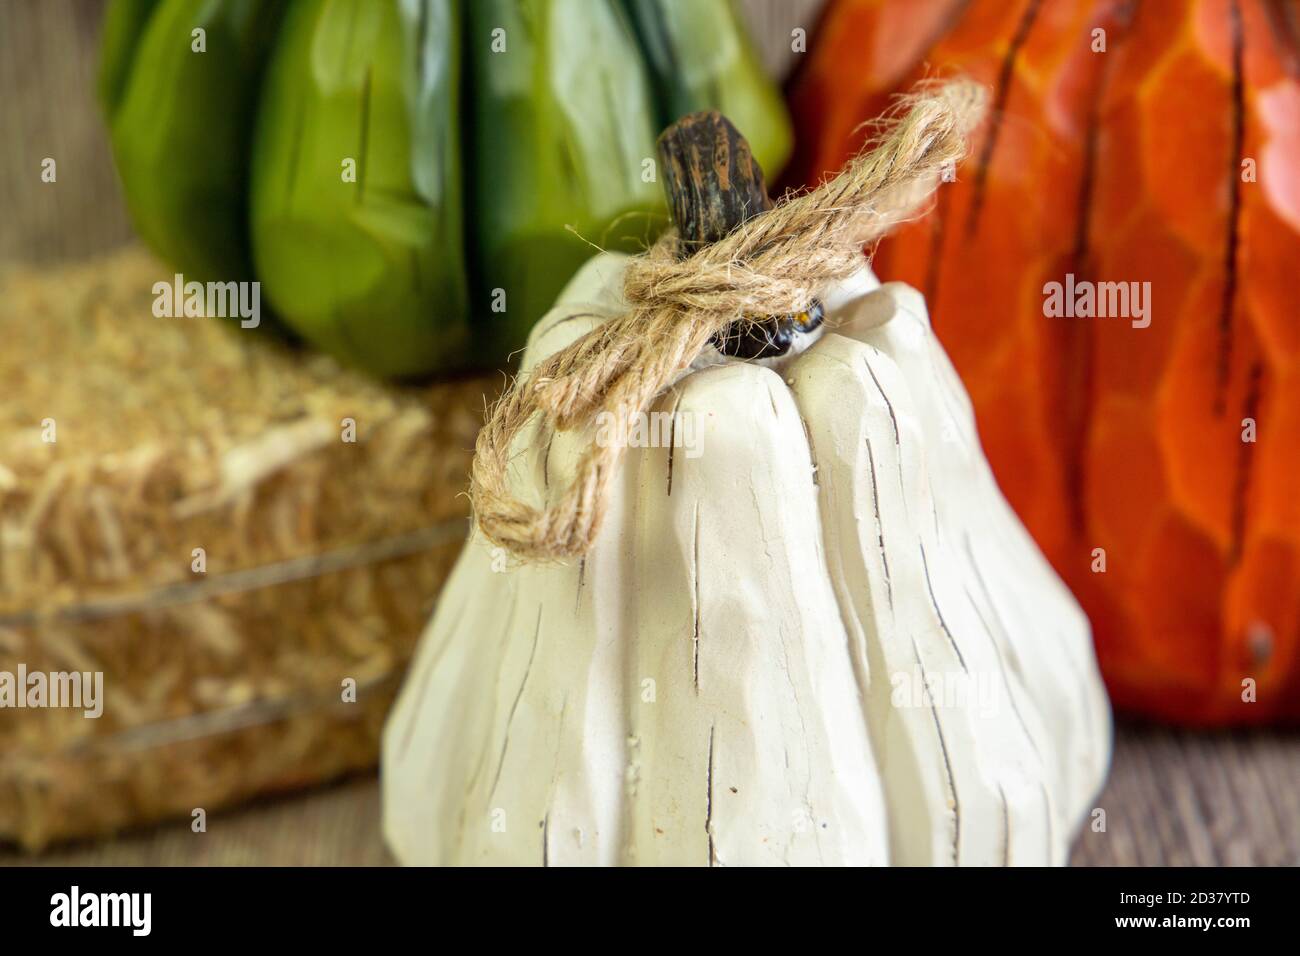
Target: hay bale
(323, 556)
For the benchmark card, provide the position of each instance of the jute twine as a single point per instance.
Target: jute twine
(774, 264)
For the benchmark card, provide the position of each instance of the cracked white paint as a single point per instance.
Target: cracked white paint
(772, 607)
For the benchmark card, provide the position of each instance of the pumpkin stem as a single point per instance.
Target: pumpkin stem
(714, 186)
(711, 179)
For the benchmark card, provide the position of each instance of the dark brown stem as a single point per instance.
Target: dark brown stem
(714, 186)
(710, 177)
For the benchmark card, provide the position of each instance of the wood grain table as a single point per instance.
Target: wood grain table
(1173, 798)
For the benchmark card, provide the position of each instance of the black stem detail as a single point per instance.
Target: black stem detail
(1076, 341)
(1227, 306)
(1003, 91)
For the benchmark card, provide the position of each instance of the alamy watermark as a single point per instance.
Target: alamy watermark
(75, 690)
(1083, 299)
(222, 300)
(653, 430)
(951, 691)
(133, 911)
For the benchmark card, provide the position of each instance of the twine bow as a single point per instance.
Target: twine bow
(772, 265)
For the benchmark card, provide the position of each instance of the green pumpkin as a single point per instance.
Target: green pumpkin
(180, 106)
(700, 58)
(356, 193)
(320, 147)
(561, 136)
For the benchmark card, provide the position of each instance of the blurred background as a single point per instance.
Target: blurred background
(252, 587)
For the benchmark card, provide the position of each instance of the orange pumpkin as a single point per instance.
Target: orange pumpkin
(1163, 149)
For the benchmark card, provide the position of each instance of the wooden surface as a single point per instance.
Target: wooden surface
(1173, 798)
(1198, 799)
(48, 64)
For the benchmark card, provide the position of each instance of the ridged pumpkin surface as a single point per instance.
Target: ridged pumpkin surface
(1122, 165)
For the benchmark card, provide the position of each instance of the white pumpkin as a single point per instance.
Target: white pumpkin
(813, 634)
